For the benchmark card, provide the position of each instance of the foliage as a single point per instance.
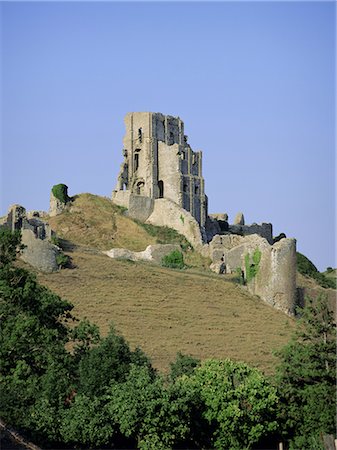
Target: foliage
(60, 191)
(88, 422)
(240, 403)
(10, 242)
(174, 260)
(252, 264)
(157, 415)
(183, 365)
(34, 365)
(55, 240)
(307, 268)
(306, 376)
(102, 393)
(62, 260)
(106, 362)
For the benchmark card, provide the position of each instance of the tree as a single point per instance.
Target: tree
(240, 404)
(106, 362)
(35, 375)
(9, 243)
(183, 365)
(306, 377)
(158, 416)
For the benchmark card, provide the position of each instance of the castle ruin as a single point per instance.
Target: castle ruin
(159, 163)
(160, 182)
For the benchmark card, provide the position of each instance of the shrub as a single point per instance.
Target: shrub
(62, 260)
(252, 267)
(55, 240)
(60, 191)
(173, 260)
(183, 365)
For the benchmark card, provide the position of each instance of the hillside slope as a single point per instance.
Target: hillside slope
(165, 311)
(161, 310)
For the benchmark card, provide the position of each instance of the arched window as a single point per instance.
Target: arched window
(140, 187)
(140, 135)
(161, 188)
(196, 189)
(136, 159)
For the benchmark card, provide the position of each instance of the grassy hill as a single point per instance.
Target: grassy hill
(161, 310)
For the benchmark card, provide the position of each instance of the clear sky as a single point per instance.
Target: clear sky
(254, 83)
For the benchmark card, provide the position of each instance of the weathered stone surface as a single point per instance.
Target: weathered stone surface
(275, 281)
(219, 216)
(56, 207)
(264, 230)
(159, 163)
(140, 207)
(239, 219)
(153, 253)
(39, 253)
(15, 217)
(169, 214)
(218, 268)
(37, 214)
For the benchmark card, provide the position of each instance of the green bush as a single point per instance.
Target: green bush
(183, 365)
(173, 260)
(252, 267)
(62, 260)
(60, 191)
(55, 240)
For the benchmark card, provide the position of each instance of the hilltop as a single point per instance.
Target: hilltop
(161, 310)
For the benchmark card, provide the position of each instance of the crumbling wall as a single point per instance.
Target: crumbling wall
(159, 163)
(275, 278)
(39, 251)
(169, 214)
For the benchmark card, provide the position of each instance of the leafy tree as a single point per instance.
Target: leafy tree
(87, 422)
(183, 365)
(10, 242)
(158, 416)
(109, 361)
(306, 377)
(240, 404)
(34, 365)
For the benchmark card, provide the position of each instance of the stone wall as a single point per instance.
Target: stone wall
(159, 163)
(275, 280)
(36, 234)
(169, 214)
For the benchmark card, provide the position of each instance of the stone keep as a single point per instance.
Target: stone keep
(159, 163)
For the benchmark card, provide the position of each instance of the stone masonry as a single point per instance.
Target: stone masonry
(39, 252)
(160, 182)
(159, 163)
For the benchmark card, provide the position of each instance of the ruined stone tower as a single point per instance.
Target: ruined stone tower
(159, 163)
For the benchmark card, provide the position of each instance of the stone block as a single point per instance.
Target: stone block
(239, 219)
(40, 254)
(140, 207)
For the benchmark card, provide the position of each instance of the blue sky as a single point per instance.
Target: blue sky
(254, 83)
